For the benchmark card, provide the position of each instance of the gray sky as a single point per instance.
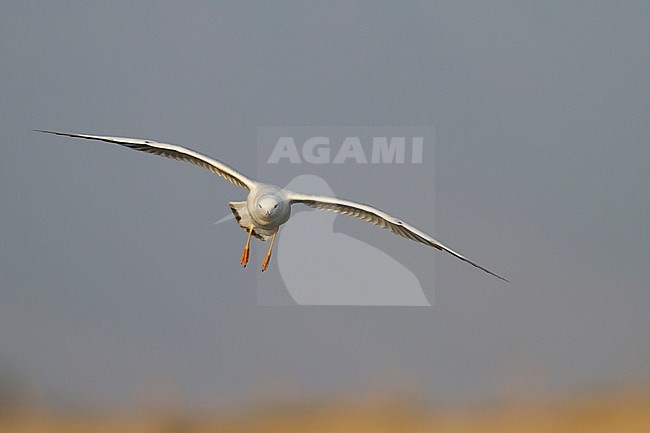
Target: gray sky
(114, 278)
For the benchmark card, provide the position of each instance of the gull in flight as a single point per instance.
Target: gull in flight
(267, 206)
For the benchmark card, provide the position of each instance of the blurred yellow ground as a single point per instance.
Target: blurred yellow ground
(597, 412)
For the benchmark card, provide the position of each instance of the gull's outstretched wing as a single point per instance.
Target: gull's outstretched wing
(377, 217)
(174, 152)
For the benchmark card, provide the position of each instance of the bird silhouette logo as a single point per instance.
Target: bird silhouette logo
(314, 262)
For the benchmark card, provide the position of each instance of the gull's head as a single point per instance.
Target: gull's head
(268, 205)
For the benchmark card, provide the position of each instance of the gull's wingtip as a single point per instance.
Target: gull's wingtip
(66, 134)
(488, 271)
(50, 132)
(496, 275)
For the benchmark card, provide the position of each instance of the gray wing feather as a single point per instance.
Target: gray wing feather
(379, 218)
(171, 151)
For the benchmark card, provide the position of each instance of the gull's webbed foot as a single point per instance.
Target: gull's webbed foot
(246, 253)
(265, 262)
(267, 257)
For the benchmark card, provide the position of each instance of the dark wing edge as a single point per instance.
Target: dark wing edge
(172, 151)
(381, 219)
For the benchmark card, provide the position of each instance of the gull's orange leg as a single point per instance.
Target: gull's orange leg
(246, 253)
(267, 257)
